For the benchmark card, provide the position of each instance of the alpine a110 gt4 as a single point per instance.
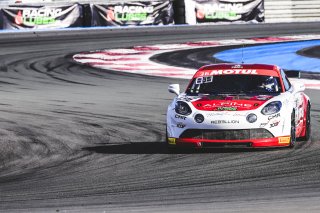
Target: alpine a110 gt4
(251, 105)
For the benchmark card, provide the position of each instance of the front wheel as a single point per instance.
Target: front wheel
(293, 131)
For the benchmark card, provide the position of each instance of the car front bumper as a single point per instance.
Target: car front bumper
(202, 142)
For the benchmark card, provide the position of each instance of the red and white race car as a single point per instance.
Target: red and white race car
(251, 105)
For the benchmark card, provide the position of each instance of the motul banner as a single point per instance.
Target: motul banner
(132, 13)
(42, 17)
(206, 11)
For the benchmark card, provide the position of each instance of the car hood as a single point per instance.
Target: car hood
(229, 102)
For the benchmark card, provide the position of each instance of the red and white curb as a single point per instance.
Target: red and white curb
(137, 59)
(310, 84)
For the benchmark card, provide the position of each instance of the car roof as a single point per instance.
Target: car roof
(240, 69)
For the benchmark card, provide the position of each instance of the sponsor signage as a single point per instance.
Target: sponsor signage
(42, 17)
(132, 13)
(204, 11)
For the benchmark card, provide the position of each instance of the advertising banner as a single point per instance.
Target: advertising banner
(132, 13)
(42, 17)
(206, 11)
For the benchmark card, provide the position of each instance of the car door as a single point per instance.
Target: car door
(298, 100)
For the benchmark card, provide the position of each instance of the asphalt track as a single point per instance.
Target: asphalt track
(312, 52)
(78, 139)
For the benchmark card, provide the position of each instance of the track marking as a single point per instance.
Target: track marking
(137, 59)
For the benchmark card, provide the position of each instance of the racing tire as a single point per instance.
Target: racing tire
(307, 135)
(293, 131)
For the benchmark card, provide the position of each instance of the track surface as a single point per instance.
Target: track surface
(313, 52)
(79, 139)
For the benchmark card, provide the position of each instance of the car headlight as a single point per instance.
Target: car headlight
(182, 108)
(272, 108)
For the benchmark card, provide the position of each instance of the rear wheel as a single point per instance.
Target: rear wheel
(306, 137)
(293, 130)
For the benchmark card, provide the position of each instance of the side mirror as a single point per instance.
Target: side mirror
(174, 88)
(298, 87)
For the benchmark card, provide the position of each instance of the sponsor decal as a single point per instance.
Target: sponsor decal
(181, 125)
(207, 106)
(263, 97)
(228, 72)
(227, 109)
(274, 124)
(225, 122)
(204, 80)
(172, 141)
(274, 116)
(284, 140)
(180, 117)
(230, 104)
(239, 115)
(223, 105)
(263, 124)
(216, 114)
(238, 66)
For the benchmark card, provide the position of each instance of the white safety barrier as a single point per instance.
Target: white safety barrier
(292, 10)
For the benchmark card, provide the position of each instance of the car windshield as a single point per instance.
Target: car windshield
(234, 84)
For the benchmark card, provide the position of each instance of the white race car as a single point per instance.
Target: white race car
(251, 105)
